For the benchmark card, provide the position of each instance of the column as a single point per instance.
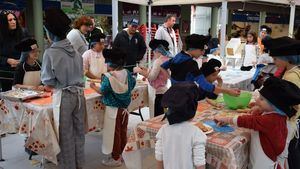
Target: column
(37, 8)
(114, 18)
(214, 22)
(292, 19)
(143, 14)
(262, 19)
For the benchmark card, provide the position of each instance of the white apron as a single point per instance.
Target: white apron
(32, 78)
(109, 129)
(250, 55)
(56, 101)
(110, 117)
(97, 66)
(259, 160)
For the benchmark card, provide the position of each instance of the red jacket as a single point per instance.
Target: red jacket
(272, 130)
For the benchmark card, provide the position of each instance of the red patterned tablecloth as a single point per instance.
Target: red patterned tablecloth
(35, 119)
(223, 150)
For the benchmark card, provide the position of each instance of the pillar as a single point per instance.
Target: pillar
(214, 22)
(142, 14)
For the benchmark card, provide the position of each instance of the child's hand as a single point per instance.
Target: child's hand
(252, 104)
(256, 110)
(220, 81)
(220, 121)
(93, 85)
(234, 92)
(137, 70)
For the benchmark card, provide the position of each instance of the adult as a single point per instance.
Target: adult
(28, 72)
(76, 36)
(93, 31)
(286, 54)
(265, 31)
(11, 33)
(133, 43)
(167, 33)
(62, 73)
(93, 60)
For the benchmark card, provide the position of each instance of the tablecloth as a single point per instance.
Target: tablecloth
(223, 150)
(35, 119)
(235, 78)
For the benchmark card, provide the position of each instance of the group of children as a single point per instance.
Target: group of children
(180, 145)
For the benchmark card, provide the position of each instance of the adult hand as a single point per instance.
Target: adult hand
(41, 88)
(93, 85)
(137, 70)
(48, 88)
(13, 62)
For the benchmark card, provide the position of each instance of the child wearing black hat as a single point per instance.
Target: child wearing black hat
(116, 87)
(28, 71)
(184, 68)
(93, 60)
(180, 144)
(268, 149)
(286, 54)
(156, 76)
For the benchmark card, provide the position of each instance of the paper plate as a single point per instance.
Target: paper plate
(222, 129)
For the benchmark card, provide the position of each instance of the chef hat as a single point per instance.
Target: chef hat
(27, 45)
(210, 67)
(182, 101)
(57, 22)
(196, 41)
(283, 46)
(114, 57)
(282, 94)
(265, 28)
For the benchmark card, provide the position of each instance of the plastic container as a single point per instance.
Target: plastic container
(239, 102)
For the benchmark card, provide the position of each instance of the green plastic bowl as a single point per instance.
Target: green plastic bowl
(239, 102)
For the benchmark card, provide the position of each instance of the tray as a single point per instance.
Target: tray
(20, 94)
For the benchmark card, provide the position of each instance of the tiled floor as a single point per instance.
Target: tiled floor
(16, 158)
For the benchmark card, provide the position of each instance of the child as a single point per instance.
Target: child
(180, 144)
(93, 60)
(269, 143)
(116, 87)
(156, 76)
(28, 71)
(184, 68)
(250, 52)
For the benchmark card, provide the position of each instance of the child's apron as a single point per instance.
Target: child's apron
(258, 158)
(97, 66)
(32, 78)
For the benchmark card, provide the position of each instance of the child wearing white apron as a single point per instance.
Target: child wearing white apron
(116, 87)
(28, 71)
(269, 136)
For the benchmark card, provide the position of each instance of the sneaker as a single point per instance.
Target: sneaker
(110, 162)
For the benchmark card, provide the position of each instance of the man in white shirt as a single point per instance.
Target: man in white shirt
(166, 32)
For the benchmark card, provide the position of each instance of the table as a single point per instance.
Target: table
(235, 78)
(35, 119)
(223, 150)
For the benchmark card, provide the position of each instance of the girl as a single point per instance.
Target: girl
(28, 72)
(184, 68)
(268, 149)
(156, 76)
(180, 144)
(93, 60)
(250, 52)
(116, 87)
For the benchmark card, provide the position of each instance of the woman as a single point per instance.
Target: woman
(77, 35)
(93, 60)
(28, 72)
(11, 33)
(286, 54)
(156, 76)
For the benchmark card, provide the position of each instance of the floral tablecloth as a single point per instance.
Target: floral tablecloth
(235, 78)
(35, 119)
(223, 150)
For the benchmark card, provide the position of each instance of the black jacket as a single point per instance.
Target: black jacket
(135, 48)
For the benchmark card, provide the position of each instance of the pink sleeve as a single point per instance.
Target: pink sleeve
(86, 59)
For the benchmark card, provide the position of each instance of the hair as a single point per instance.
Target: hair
(83, 20)
(254, 35)
(169, 16)
(4, 27)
